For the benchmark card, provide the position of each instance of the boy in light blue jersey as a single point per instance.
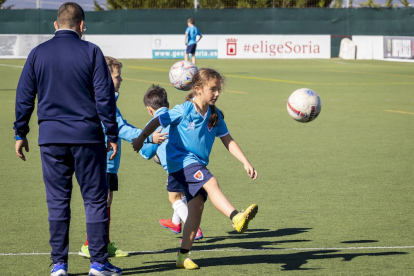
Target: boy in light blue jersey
(191, 41)
(127, 132)
(156, 102)
(194, 125)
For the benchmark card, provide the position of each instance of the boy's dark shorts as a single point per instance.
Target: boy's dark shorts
(174, 186)
(191, 49)
(112, 181)
(192, 178)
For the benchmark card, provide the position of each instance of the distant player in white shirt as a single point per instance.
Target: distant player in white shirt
(194, 125)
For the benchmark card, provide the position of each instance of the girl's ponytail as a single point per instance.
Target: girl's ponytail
(214, 117)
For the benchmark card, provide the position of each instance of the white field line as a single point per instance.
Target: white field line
(239, 250)
(8, 65)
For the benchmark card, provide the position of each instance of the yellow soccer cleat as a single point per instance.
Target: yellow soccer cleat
(242, 219)
(184, 262)
(113, 251)
(84, 251)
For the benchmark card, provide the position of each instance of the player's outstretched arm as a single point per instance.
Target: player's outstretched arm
(236, 151)
(127, 131)
(138, 142)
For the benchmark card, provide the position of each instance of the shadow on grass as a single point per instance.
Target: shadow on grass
(257, 234)
(293, 261)
(251, 234)
(211, 243)
(360, 241)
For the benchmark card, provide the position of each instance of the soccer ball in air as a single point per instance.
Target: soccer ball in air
(304, 105)
(181, 74)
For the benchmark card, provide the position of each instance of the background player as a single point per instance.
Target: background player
(126, 132)
(156, 102)
(191, 40)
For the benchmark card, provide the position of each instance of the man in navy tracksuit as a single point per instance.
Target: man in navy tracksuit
(75, 94)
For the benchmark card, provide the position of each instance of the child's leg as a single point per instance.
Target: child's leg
(217, 197)
(174, 196)
(240, 220)
(179, 206)
(110, 198)
(193, 58)
(195, 211)
(186, 57)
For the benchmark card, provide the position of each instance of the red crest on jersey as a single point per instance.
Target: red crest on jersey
(199, 175)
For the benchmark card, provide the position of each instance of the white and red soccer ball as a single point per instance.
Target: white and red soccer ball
(304, 105)
(181, 74)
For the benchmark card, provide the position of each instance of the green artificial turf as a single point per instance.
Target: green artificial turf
(335, 196)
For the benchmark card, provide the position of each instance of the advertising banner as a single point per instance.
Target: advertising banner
(398, 47)
(122, 46)
(19, 46)
(274, 46)
(173, 46)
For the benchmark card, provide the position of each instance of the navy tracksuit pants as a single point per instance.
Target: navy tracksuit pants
(88, 162)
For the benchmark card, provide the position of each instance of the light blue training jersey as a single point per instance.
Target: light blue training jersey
(148, 151)
(192, 32)
(127, 132)
(190, 138)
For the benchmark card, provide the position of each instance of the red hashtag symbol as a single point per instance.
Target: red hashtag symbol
(246, 48)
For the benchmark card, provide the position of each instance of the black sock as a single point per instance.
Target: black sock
(235, 212)
(184, 251)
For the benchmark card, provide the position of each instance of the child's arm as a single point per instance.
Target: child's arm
(200, 35)
(128, 132)
(138, 142)
(185, 38)
(199, 38)
(149, 150)
(236, 151)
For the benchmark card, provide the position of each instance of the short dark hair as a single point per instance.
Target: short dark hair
(70, 14)
(156, 97)
(191, 20)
